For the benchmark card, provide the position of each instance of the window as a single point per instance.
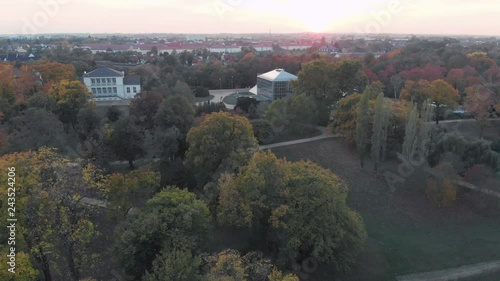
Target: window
(135, 90)
(94, 91)
(104, 91)
(98, 81)
(109, 90)
(109, 80)
(98, 91)
(114, 89)
(128, 89)
(92, 81)
(114, 80)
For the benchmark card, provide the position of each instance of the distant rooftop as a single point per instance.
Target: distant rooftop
(104, 72)
(278, 75)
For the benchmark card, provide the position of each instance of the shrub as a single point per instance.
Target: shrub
(263, 131)
(441, 192)
(201, 92)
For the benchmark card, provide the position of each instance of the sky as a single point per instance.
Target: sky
(454, 17)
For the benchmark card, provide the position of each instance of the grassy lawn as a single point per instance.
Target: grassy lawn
(204, 99)
(407, 234)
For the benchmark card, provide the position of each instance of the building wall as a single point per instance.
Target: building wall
(265, 87)
(274, 89)
(115, 88)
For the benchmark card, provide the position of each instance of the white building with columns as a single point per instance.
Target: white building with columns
(109, 84)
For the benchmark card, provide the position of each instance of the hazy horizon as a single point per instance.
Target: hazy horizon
(424, 17)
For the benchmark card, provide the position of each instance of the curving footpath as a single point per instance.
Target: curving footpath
(454, 273)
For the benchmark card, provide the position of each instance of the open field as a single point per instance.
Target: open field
(407, 234)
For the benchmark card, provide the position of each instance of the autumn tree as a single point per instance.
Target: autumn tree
(179, 265)
(70, 96)
(172, 220)
(344, 117)
(24, 270)
(54, 225)
(54, 72)
(479, 102)
(442, 94)
(230, 265)
(417, 92)
(299, 206)
(7, 93)
(222, 143)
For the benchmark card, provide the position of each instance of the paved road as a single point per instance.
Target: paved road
(221, 94)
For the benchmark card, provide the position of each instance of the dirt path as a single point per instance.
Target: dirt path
(454, 273)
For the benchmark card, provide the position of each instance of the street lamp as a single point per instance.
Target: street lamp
(220, 83)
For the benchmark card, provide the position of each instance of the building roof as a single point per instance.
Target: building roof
(104, 72)
(132, 80)
(278, 75)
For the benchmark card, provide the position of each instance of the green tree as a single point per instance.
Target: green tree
(172, 220)
(144, 108)
(443, 94)
(299, 207)
(127, 141)
(380, 128)
(328, 82)
(89, 121)
(133, 189)
(33, 129)
(176, 265)
(113, 113)
(43, 101)
(176, 111)
(222, 143)
(363, 126)
(292, 114)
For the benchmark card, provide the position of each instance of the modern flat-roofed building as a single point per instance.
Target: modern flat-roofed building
(108, 84)
(275, 84)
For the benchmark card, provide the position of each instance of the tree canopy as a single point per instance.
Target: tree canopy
(220, 144)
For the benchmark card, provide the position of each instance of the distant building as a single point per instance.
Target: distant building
(275, 84)
(109, 84)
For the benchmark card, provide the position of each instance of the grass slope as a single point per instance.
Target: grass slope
(407, 234)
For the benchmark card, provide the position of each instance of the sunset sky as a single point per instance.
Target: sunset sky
(251, 16)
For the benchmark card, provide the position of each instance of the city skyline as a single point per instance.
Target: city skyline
(256, 16)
